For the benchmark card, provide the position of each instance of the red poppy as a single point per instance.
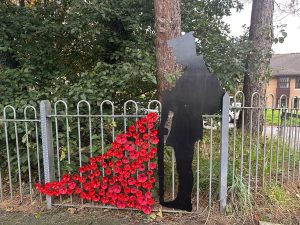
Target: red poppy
(153, 150)
(104, 179)
(131, 181)
(131, 128)
(117, 189)
(107, 171)
(96, 198)
(148, 194)
(96, 173)
(92, 160)
(152, 165)
(82, 180)
(146, 209)
(104, 200)
(99, 158)
(66, 177)
(78, 190)
(141, 200)
(153, 133)
(75, 177)
(126, 190)
(150, 126)
(82, 169)
(143, 152)
(121, 205)
(142, 129)
(71, 185)
(152, 117)
(87, 186)
(138, 193)
(101, 192)
(150, 201)
(91, 176)
(94, 166)
(95, 183)
(154, 140)
(121, 139)
(146, 137)
(133, 190)
(142, 167)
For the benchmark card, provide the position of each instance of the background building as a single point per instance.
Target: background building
(285, 79)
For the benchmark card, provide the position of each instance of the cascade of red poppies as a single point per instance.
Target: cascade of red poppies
(112, 178)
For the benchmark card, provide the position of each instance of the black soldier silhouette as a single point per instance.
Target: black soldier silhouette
(196, 92)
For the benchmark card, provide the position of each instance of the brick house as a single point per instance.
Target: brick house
(285, 79)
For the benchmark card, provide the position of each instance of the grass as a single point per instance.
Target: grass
(272, 117)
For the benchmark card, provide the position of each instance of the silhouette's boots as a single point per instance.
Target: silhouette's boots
(183, 199)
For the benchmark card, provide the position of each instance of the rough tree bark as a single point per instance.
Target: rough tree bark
(167, 26)
(261, 37)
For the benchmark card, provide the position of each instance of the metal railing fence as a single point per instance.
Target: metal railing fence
(267, 152)
(40, 146)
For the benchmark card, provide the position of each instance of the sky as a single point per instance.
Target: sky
(291, 43)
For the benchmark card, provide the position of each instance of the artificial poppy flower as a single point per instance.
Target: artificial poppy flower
(131, 128)
(141, 200)
(154, 140)
(87, 186)
(104, 179)
(133, 190)
(131, 181)
(118, 163)
(143, 152)
(146, 209)
(71, 185)
(104, 200)
(150, 201)
(117, 189)
(107, 171)
(152, 117)
(75, 177)
(91, 176)
(94, 166)
(150, 126)
(66, 177)
(148, 194)
(121, 139)
(149, 172)
(99, 158)
(142, 129)
(142, 167)
(96, 198)
(152, 165)
(92, 160)
(82, 180)
(121, 205)
(138, 193)
(78, 190)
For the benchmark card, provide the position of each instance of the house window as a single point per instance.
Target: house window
(284, 82)
(296, 103)
(282, 103)
(297, 82)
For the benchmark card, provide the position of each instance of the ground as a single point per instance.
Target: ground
(278, 205)
(37, 214)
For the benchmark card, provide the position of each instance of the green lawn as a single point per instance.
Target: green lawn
(272, 118)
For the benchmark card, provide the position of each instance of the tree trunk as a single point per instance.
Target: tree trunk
(167, 26)
(261, 37)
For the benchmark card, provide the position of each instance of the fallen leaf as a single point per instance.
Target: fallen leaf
(159, 213)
